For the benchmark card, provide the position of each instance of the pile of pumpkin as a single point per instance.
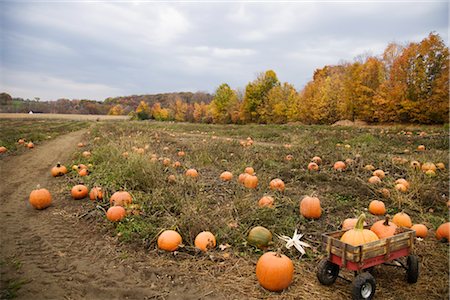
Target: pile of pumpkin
(22, 142)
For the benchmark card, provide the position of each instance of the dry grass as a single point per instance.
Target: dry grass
(74, 117)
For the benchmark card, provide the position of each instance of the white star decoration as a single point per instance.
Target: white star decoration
(295, 241)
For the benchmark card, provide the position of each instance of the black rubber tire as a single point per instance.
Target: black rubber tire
(364, 286)
(412, 269)
(327, 272)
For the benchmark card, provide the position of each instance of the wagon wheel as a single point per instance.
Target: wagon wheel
(364, 286)
(412, 269)
(327, 272)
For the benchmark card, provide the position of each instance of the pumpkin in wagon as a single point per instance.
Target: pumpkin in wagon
(384, 228)
(358, 235)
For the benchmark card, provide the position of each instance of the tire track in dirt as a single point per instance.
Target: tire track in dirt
(62, 257)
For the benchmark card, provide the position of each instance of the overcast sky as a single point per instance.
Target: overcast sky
(98, 49)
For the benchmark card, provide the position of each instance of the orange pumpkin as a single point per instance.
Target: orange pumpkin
(120, 198)
(21, 141)
(401, 188)
(30, 145)
(116, 213)
(415, 165)
(40, 198)
(125, 154)
(350, 223)
(3, 149)
(242, 177)
(402, 181)
(277, 184)
(249, 170)
(430, 173)
(96, 193)
(421, 230)
(402, 219)
(339, 166)
(421, 148)
(58, 170)
(369, 167)
(81, 166)
(440, 166)
(176, 164)
(181, 153)
(86, 154)
(377, 208)
(317, 160)
(205, 240)
(384, 228)
(266, 201)
(251, 181)
(274, 271)
(443, 232)
(385, 193)
(192, 173)
(226, 176)
(83, 172)
(428, 166)
(169, 240)
(289, 157)
(310, 207)
(312, 166)
(80, 145)
(171, 178)
(379, 173)
(79, 192)
(374, 180)
(358, 235)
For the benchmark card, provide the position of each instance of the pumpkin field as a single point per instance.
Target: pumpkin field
(138, 179)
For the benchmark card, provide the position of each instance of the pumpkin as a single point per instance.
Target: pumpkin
(171, 178)
(379, 173)
(401, 188)
(81, 166)
(310, 207)
(192, 173)
(83, 172)
(402, 181)
(369, 167)
(58, 170)
(358, 235)
(116, 213)
(259, 237)
(274, 271)
(79, 191)
(443, 232)
(339, 166)
(86, 154)
(40, 198)
(177, 164)
(377, 208)
(242, 177)
(430, 173)
(205, 240)
(384, 228)
(428, 166)
(30, 145)
(266, 201)
(350, 223)
(374, 180)
(277, 185)
(402, 219)
(249, 170)
(415, 165)
(140, 151)
(169, 240)
(226, 176)
(385, 193)
(3, 149)
(96, 193)
(21, 141)
(349, 161)
(289, 157)
(440, 166)
(80, 145)
(421, 230)
(120, 198)
(166, 161)
(251, 181)
(125, 154)
(181, 153)
(317, 160)
(312, 166)
(421, 148)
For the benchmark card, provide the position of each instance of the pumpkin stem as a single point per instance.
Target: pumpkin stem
(58, 164)
(360, 223)
(386, 221)
(38, 186)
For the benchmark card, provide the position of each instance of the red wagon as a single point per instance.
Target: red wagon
(361, 259)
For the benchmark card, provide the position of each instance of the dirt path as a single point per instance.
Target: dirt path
(51, 254)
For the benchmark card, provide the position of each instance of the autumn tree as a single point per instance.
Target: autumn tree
(116, 110)
(159, 113)
(223, 104)
(179, 110)
(275, 109)
(143, 111)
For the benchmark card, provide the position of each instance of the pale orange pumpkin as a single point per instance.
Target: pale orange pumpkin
(402, 181)
(266, 201)
(226, 176)
(317, 160)
(116, 213)
(350, 223)
(289, 157)
(339, 166)
(83, 172)
(205, 240)
(374, 180)
(177, 164)
(415, 165)
(312, 166)
(21, 141)
(169, 240)
(86, 154)
(120, 198)
(3, 149)
(379, 173)
(310, 207)
(181, 153)
(421, 148)
(384, 228)
(443, 232)
(277, 185)
(249, 170)
(358, 235)
(79, 191)
(274, 271)
(96, 193)
(58, 170)
(430, 173)
(192, 173)
(166, 161)
(80, 145)
(402, 219)
(171, 178)
(385, 193)
(401, 188)
(369, 167)
(251, 181)
(40, 198)
(377, 208)
(428, 166)
(421, 230)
